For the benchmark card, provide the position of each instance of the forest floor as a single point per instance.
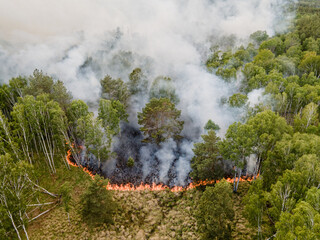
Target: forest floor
(142, 215)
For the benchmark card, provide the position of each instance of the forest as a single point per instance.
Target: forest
(132, 164)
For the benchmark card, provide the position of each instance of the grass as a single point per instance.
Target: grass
(142, 214)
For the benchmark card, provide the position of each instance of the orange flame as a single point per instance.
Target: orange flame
(154, 186)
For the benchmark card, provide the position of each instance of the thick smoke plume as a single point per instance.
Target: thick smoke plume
(80, 41)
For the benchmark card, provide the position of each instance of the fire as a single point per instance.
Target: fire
(154, 186)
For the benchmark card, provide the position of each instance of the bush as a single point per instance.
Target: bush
(98, 206)
(215, 214)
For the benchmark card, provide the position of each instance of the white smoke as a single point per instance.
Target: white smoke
(80, 41)
(183, 163)
(166, 156)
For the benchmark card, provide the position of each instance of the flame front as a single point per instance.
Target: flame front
(154, 186)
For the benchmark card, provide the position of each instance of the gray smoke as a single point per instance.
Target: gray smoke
(80, 41)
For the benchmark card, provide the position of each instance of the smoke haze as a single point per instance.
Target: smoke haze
(80, 41)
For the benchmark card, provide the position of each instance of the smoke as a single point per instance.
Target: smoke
(80, 41)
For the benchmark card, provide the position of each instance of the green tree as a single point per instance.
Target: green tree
(215, 214)
(274, 44)
(268, 129)
(259, 36)
(138, 83)
(255, 206)
(303, 223)
(65, 192)
(237, 100)
(207, 163)
(162, 87)
(96, 139)
(285, 153)
(211, 125)
(130, 162)
(237, 146)
(160, 120)
(114, 89)
(311, 63)
(111, 113)
(265, 59)
(98, 207)
(77, 110)
(308, 120)
(16, 192)
(40, 83)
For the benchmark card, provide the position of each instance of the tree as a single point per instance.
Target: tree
(138, 83)
(130, 162)
(111, 113)
(162, 87)
(207, 163)
(285, 153)
(77, 110)
(259, 37)
(237, 146)
(211, 125)
(98, 206)
(97, 141)
(307, 121)
(114, 89)
(9, 94)
(39, 83)
(309, 26)
(274, 44)
(303, 223)
(311, 63)
(237, 100)
(255, 206)
(16, 192)
(268, 129)
(65, 192)
(42, 123)
(265, 59)
(215, 212)
(160, 120)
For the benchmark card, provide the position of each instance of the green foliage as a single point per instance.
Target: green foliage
(211, 125)
(96, 140)
(237, 144)
(308, 120)
(311, 63)
(9, 94)
(98, 206)
(114, 89)
(206, 164)
(269, 128)
(16, 192)
(111, 113)
(39, 84)
(130, 162)
(275, 45)
(303, 223)
(226, 73)
(286, 152)
(162, 87)
(259, 36)
(255, 206)
(65, 192)
(138, 83)
(216, 212)
(265, 59)
(237, 100)
(309, 26)
(160, 120)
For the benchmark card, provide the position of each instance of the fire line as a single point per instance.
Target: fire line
(154, 186)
